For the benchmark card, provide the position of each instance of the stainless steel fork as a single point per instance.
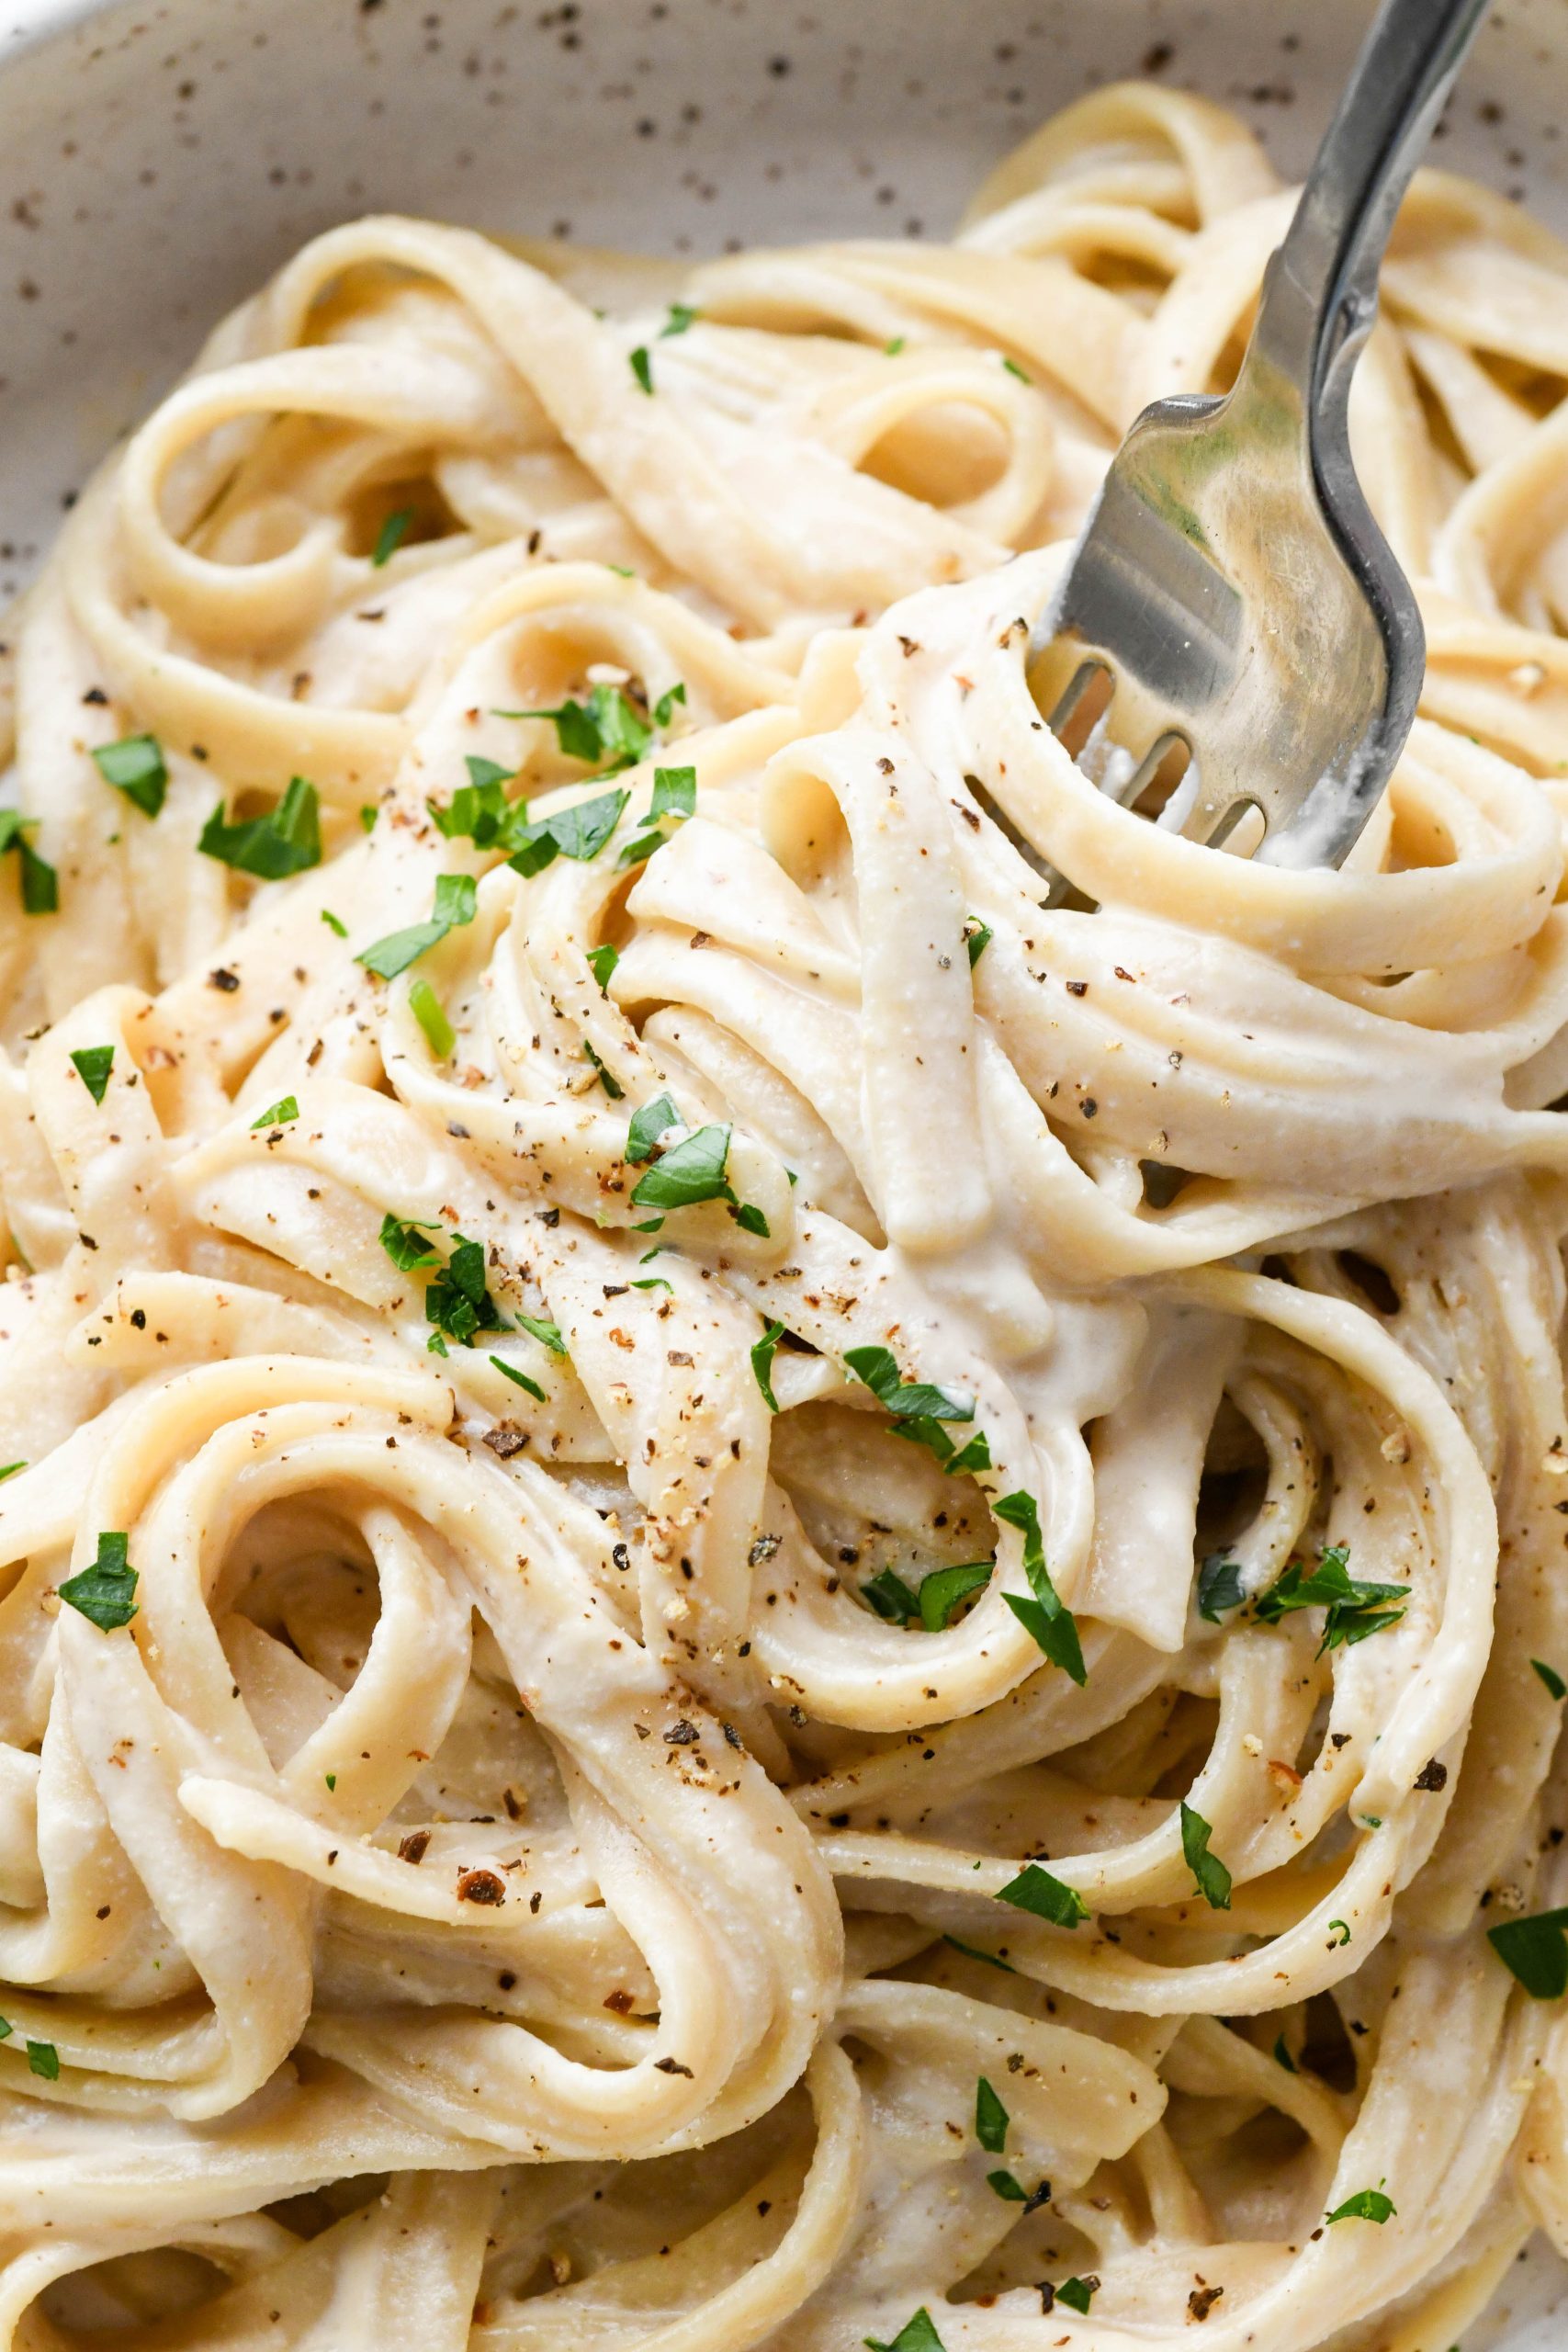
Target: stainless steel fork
(1231, 584)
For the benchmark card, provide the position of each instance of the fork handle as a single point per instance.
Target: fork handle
(1320, 291)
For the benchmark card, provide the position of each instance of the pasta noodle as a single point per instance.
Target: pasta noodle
(755, 1595)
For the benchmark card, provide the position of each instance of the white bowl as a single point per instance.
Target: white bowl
(162, 156)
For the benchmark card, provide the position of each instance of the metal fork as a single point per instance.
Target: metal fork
(1231, 587)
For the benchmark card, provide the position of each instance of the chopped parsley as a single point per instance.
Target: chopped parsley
(1355, 1610)
(917, 2334)
(1536, 1951)
(1282, 2056)
(390, 536)
(430, 1014)
(1045, 1617)
(763, 1364)
(369, 813)
(1013, 2192)
(1343, 1937)
(135, 766)
(104, 1593)
(750, 1218)
(338, 929)
(41, 883)
(921, 1400)
(1047, 1897)
(9, 1470)
(607, 728)
(547, 1334)
(1367, 2205)
(642, 368)
(1213, 1879)
(892, 346)
(520, 1379)
(654, 1119)
(977, 937)
(455, 899)
(607, 1079)
(1550, 1675)
(579, 832)
(934, 1602)
(1076, 2293)
(1219, 1586)
(282, 1112)
(93, 1064)
(287, 841)
(602, 962)
(991, 2119)
(680, 317)
(1024, 377)
(674, 800)
(43, 2060)
(456, 1303)
(480, 811)
(406, 1244)
(690, 1172)
(973, 1951)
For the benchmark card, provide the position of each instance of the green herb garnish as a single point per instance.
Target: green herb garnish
(763, 1364)
(977, 936)
(607, 1079)
(1536, 1951)
(104, 1593)
(390, 536)
(520, 1379)
(93, 1064)
(917, 2334)
(430, 1014)
(41, 883)
(135, 766)
(653, 1120)
(43, 2060)
(680, 317)
(1355, 1610)
(1550, 1675)
(1047, 1897)
(642, 368)
(690, 1172)
(547, 1334)
(1219, 1586)
(1045, 1618)
(340, 930)
(602, 962)
(1367, 2205)
(282, 1112)
(1213, 1879)
(991, 2119)
(455, 899)
(287, 841)
(406, 1244)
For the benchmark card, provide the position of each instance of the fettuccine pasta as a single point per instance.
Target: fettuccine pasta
(756, 1596)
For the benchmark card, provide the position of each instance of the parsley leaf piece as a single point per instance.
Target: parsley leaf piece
(642, 368)
(892, 346)
(1076, 2293)
(664, 708)
(602, 962)
(1007, 2187)
(1355, 1610)
(390, 536)
(991, 2119)
(1536, 1951)
(1213, 1879)
(892, 1597)
(339, 929)
(973, 1951)
(653, 1120)
(135, 766)
(681, 316)
(1046, 1617)
(547, 1334)
(674, 793)
(104, 1593)
(750, 1218)
(941, 1591)
(93, 1064)
(1282, 2056)
(1047, 1897)
(282, 1112)
(479, 811)
(9, 1470)
(1550, 1675)
(690, 1172)
(607, 1079)
(369, 811)
(406, 1246)
(975, 1455)
(387, 958)
(1219, 1586)
(457, 1302)
(43, 2059)
(287, 841)
(605, 726)
(1014, 369)
(456, 900)
(655, 1281)
(921, 1400)
(579, 832)
(917, 2334)
(1343, 1937)
(977, 936)
(1367, 2205)
(520, 1379)
(41, 883)
(430, 1014)
(762, 1355)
